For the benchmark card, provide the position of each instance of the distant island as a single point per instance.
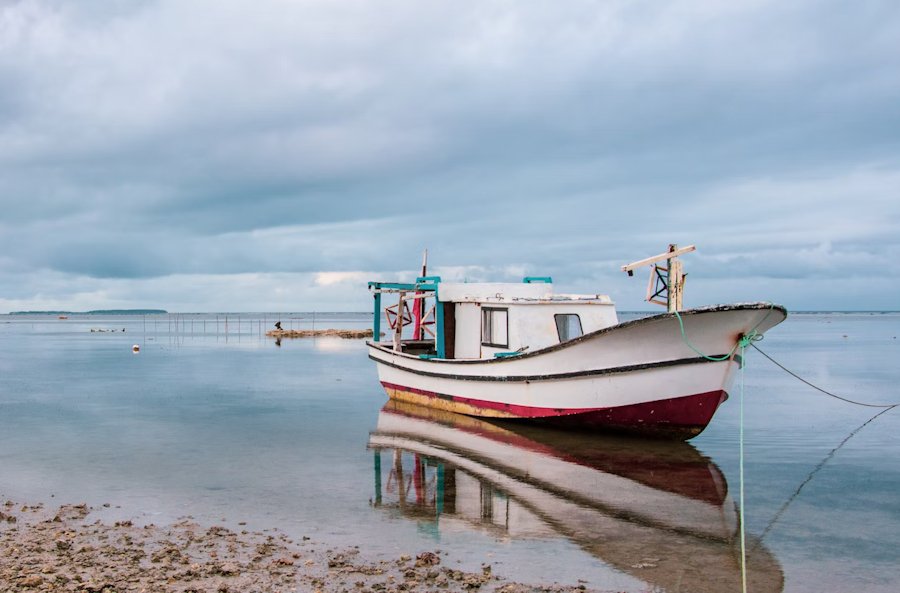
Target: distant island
(97, 312)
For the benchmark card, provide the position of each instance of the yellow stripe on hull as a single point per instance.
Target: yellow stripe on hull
(445, 404)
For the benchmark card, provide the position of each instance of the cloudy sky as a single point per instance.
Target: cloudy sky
(228, 155)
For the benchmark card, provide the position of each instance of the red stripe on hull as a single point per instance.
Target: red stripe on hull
(679, 417)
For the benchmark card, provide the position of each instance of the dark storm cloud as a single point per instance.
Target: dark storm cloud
(156, 139)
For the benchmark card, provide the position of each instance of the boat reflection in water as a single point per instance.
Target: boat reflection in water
(658, 511)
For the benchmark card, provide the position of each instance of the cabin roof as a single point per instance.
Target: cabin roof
(505, 292)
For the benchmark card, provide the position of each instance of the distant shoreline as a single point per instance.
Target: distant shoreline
(96, 312)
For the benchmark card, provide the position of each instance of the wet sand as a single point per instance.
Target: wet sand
(64, 549)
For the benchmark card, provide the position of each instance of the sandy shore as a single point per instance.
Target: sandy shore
(64, 549)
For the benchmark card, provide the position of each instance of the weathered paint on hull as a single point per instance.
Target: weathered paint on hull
(643, 376)
(680, 417)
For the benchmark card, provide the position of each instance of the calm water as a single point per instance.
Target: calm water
(225, 425)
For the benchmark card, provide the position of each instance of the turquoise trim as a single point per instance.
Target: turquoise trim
(537, 279)
(428, 356)
(506, 354)
(439, 330)
(422, 284)
(376, 318)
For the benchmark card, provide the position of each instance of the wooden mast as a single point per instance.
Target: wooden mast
(671, 276)
(419, 305)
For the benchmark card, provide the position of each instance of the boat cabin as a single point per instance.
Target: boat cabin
(450, 320)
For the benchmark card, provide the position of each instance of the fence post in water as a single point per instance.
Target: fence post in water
(377, 477)
(398, 471)
(439, 491)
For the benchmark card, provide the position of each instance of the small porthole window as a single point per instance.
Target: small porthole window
(568, 326)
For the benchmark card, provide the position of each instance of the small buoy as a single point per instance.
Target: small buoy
(135, 348)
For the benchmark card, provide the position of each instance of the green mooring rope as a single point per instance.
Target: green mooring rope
(694, 348)
(746, 340)
(817, 388)
(742, 344)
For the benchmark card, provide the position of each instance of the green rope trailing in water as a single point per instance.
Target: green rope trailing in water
(886, 408)
(812, 474)
(746, 340)
(742, 344)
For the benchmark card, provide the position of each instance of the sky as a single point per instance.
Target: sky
(275, 155)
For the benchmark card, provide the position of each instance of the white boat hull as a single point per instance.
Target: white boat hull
(642, 375)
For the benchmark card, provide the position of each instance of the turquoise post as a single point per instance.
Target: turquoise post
(439, 325)
(376, 318)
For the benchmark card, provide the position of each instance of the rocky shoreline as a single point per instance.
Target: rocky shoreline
(315, 333)
(64, 550)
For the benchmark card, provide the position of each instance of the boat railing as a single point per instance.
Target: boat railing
(423, 288)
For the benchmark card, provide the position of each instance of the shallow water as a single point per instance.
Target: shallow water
(226, 425)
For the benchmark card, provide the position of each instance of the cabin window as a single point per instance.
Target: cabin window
(494, 327)
(568, 326)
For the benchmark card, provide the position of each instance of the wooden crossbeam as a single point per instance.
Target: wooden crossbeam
(656, 258)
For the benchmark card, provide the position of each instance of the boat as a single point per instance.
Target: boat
(522, 351)
(657, 511)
